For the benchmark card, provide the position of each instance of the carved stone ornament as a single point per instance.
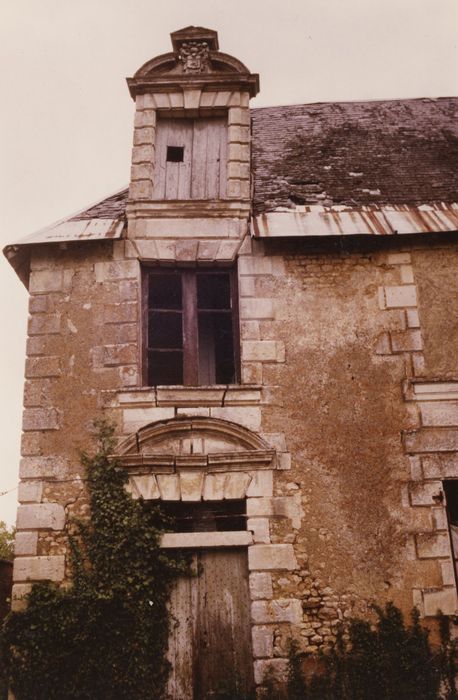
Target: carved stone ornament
(195, 56)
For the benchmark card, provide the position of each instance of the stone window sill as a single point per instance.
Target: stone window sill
(188, 396)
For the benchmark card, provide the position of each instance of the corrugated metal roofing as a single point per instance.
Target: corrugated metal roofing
(317, 220)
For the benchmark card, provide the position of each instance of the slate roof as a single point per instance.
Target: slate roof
(355, 153)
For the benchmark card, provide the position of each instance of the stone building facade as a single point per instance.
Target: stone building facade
(270, 316)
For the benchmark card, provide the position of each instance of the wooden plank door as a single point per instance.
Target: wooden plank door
(198, 170)
(172, 179)
(210, 638)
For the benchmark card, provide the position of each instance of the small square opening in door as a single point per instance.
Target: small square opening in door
(175, 154)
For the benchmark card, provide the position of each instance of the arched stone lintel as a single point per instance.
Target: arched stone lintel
(172, 436)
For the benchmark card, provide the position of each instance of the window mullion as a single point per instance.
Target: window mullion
(190, 329)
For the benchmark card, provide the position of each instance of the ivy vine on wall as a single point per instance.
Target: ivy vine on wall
(105, 636)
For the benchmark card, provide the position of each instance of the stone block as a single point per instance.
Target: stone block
(256, 308)
(141, 189)
(207, 251)
(41, 516)
(402, 295)
(145, 118)
(169, 486)
(431, 545)
(191, 98)
(238, 151)
(249, 416)
(118, 270)
(144, 136)
(448, 573)
(246, 287)
(413, 318)
(284, 461)
(176, 100)
(19, 598)
(135, 418)
(48, 366)
(122, 354)
(260, 507)
(238, 115)
(263, 351)
(271, 557)
(40, 419)
(186, 251)
(383, 344)
(439, 516)
(398, 258)
(191, 483)
(236, 485)
(30, 491)
(252, 372)
(444, 600)
(261, 485)
(125, 312)
(260, 586)
(44, 324)
(407, 276)
(45, 281)
(214, 487)
(38, 467)
(431, 440)
(238, 134)
(128, 376)
(227, 250)
(276, 669)
(25, 544)
(406, 341)
(143, 154)
(39, 304)
(441, 413)
(144, 486)
(262, 638)
(425, 494)
(141, 171)
(166, 251)
(37, 345)
(274, 611)
(238, 170)
(39, 568)
(440, 466)
(260, 529)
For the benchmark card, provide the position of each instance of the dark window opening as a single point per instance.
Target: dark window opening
(190, 327)
(206, 516)
(175, 154)
(451, 495)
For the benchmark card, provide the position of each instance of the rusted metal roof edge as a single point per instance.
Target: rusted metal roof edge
(317, 220)
(18, 254)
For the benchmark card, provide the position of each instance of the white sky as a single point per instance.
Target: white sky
(66, 121)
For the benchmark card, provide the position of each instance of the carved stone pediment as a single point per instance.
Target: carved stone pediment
(207, 444)
(195, 58)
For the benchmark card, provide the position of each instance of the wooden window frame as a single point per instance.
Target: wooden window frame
(190, 320)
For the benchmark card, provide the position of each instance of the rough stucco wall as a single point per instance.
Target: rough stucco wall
(342, 412)
(437, 279)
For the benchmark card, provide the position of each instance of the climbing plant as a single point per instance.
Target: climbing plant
(386, 661)
(105, 635)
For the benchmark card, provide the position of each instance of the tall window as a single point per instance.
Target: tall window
(190, 327)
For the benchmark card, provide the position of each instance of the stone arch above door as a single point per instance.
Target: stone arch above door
(196, 459)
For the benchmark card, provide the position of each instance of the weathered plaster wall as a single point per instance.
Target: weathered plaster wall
(436, 273)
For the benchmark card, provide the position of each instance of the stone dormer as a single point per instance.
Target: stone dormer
(191, 154)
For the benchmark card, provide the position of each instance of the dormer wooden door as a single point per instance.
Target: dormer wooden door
(190, 158)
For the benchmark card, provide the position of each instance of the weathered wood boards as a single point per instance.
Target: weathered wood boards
(202, 172)
(210, 638)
